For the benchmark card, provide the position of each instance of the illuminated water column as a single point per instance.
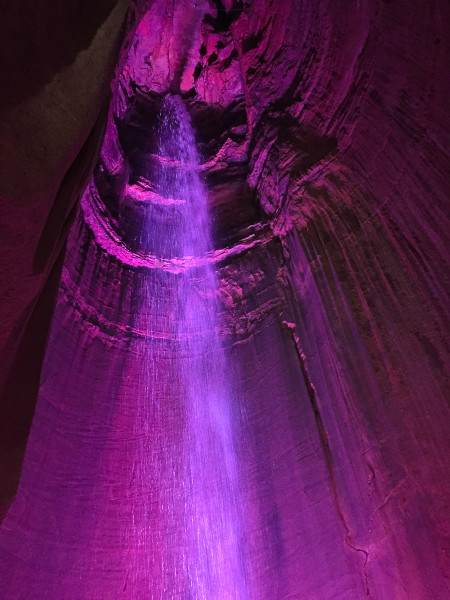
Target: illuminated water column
(131, 451)
(200, 505)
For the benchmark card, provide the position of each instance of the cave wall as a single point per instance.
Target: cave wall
(323, 133)
(57, 68)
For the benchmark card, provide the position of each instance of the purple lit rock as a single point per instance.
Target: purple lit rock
(323, 138)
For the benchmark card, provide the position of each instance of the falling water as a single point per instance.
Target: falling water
(186, 462)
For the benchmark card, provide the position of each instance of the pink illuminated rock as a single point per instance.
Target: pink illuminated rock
(323, 132)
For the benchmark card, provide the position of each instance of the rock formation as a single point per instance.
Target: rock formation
(323, 131)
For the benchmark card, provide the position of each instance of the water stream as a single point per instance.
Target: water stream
(185, 469)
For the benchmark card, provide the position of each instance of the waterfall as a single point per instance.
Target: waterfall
(200, 552)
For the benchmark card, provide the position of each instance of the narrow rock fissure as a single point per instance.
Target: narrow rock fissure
(323, 437)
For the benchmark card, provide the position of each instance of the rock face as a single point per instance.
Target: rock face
(324, 141)
(56, 71)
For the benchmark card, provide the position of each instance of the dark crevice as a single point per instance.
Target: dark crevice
(223, 20)
(252, 42)
(227, 62)
(197, 71)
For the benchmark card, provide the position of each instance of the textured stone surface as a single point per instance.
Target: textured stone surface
(324, 133)
(56, 69)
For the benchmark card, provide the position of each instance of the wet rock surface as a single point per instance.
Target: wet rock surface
(323, 134)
